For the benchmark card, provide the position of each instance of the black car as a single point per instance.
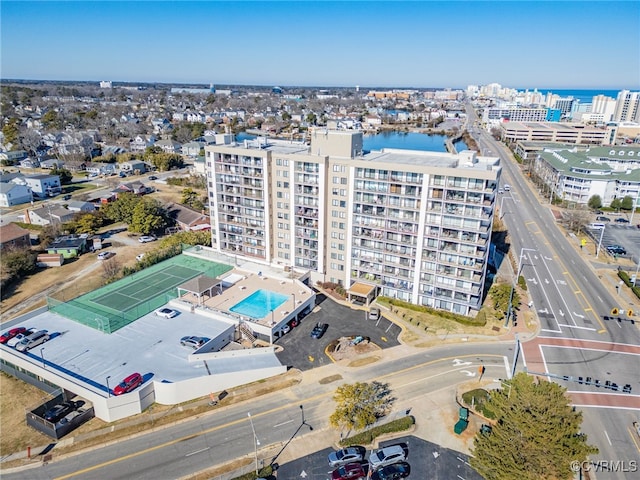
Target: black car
(392, 472)
(318, 330)
(616, 250)
(603, 219)
(57, 412)
(622, 220)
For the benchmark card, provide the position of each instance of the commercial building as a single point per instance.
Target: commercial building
(512, 132)
(411, 225)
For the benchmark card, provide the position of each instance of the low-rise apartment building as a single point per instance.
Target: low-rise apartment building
(411, 225)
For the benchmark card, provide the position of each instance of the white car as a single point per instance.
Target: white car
(387, 456)
(18, 338)
(146, 239)
(105, 255)
(166, 312)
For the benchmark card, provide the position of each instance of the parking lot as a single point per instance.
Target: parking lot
(303, 352)
(440, 463)
(615, 233)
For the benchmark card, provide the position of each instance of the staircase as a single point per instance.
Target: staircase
(246, 332)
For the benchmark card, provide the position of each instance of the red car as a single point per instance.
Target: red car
(350, 471)
(6, 336)
(130, 383)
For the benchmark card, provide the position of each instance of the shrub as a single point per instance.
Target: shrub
(478, 398)
(368, 436)
(478, 321)
(522, 283)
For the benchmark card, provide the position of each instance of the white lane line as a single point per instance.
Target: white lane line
(283, 423)
(197, 451)
(506, 366)
(578, 327)
(608, 439)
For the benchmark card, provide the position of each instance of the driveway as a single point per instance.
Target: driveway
(303, 352)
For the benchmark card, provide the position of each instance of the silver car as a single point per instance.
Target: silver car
(346, 455)
(387, 456)
(32, 340)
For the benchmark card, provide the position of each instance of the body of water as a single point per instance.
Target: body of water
(585, 96)
(400, 140)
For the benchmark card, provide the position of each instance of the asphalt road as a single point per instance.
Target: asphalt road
(572, 303)
(226, 434)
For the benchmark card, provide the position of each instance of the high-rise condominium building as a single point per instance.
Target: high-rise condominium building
(407, 224)
(627, 107)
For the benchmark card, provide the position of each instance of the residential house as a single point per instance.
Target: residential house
(188, 219)
(14, 236)
(49, 215)
(69, 246)
(141, 142)
(192, 149)
(30, 163)
(79, 206)
(14, 194)
(169, 146)
(51, 163)
(12, 157)
(98, 168)
(137, 188)
(199, 166)
(133, 165)
(43, 186)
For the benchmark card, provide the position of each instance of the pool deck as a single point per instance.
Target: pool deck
(250, 283)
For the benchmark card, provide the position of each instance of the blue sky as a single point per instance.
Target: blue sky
(544, 44)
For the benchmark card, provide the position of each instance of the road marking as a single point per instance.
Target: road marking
(283, 423)
(578, 315)
(506, 366)
(633, 438)
(468, 373)
(608, 439)
(459, 363)
(197, 451)
(590, 329)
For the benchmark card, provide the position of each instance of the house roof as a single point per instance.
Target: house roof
(11, 232)
(69, 241)
(186, 215)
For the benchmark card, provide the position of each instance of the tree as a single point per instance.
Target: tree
(191, 199)
(88, 222)
(500, 293)
(65, 175)
(595, 202)
(10, 131)
(122, 209)
(616, 203)
(360, 404)
(148, 216)
(627, 203)
(536, 435)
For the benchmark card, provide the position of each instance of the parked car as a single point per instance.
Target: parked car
(106, 255)
(350, 471)
(352, 454)
(319, 330)
(193, 342)
(388, 455)
(622, 220)
(166, 312)
(129, 384)
(12, 342)
(374, 313)
(152, 177)
(598, 212)
(392, 472)
(57, 412)
(9, 334)
(616, 250)
(601, 218)
(32, 340)
(147, 238)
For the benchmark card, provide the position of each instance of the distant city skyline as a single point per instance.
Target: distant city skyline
(524, 45)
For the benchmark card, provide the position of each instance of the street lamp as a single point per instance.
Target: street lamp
(256, 442)
(108, 389)
(274, 465)
(513, 285)
(501, 204)
(42, 358)
(600, 241)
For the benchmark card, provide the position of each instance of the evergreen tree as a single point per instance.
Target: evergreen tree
(595, 202)
(360, 404)
(536, 435)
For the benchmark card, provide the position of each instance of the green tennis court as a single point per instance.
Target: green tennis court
(118, 304)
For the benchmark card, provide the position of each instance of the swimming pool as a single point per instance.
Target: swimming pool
(259, 303)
